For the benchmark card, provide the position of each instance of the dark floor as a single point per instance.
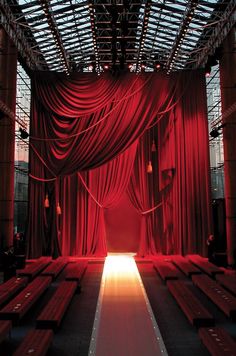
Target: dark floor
(73, 337)
(180, 337)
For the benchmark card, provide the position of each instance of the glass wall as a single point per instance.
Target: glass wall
(216, 137)
(21, 150)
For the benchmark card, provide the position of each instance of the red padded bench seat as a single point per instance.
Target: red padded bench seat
(228, 282)
(35, 343)
(166, 269)
(185, 266)
(223, 299)
(11, 287)
(33, 269)
(18, 306)
(204, 265)
(54, 269)
(52, 314)
(218, 341)
(75, 271)
(196, 313)
(5, 328)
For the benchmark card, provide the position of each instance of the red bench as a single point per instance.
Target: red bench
(196, 313)
(223, 299)
(228, 282)
(166, 269)
(5, 328)
(185, 266)
(33, 269)
(52, 314)
(11, 287)
(36, 343)
(75, 271)
(54, 269)
(18, 306)
(204, 265)
(218, 341)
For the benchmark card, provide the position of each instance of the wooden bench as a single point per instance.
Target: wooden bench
(223, 299)
(228, 282)
(166, 269)
(5, 328)
(196, 313)
(18, 306)
(218, 341)
(11, 288)
(204, 265)
(75, 271)
(33, 269)
(52, 314)
(185, 266)
(54, 269)
(36, 343)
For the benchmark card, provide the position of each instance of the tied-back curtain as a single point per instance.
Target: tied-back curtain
(184, 171)
(143, 191)
(83, 197)
(81, 122)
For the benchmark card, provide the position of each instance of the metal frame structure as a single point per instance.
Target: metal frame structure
(78, 35)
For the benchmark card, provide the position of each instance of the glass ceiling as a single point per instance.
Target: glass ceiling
(76, 35)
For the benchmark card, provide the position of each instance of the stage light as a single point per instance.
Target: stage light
(207, 70)
(106, 66)
(23, 133)
(215, 132)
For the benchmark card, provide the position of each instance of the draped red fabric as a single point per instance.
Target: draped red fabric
(143, 192)
(184, 172)
(86, 121)
(82, 122)
(80, 229)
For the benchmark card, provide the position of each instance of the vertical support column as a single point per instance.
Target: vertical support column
(8, 70)
(228, 94)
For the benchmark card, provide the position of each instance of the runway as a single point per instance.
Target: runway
(124, 323)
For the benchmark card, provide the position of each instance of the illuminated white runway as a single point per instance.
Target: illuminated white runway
(124, 324)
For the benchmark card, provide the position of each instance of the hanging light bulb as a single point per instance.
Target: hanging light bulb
(46, 202)
(149, 167)
(58, 209)
(153, 146)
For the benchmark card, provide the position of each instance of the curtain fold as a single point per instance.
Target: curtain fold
(87, 127)
(184, 172)
(143, 191)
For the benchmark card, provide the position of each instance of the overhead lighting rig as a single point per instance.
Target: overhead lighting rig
(56, 35)
(183, 29)
(143, 36)
(92, 20)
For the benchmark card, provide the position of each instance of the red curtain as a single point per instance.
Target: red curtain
(83, 121)
(143, 191)
(184, 172)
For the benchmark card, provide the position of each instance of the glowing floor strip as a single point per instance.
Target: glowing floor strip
(124, 322)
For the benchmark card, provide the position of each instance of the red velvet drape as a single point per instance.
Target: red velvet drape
(81, 122)
(143, 191)
(184, 172)
(84, 196)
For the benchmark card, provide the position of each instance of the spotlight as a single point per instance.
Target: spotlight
(207, 70)
(106, 66)
(23, 133)
(215, 131)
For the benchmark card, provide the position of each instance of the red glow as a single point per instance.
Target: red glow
(158, 66)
